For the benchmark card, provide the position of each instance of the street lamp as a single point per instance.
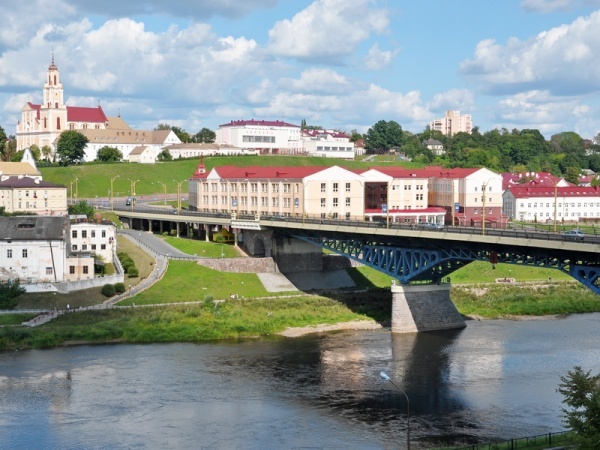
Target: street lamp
(76, 190)
(386, 377)
(111, 191)
(164, 185)
(179, 183)
(484, 189)
(133, 192)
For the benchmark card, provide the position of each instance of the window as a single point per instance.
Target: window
(335, 187)
(93, 246)
(9, 253)
(83, 233)
(71, 270)
(103, 233)
(74, 248)
(93, 233)
(322, 203)
(347, 187)
(322, 187)
(24, 253)
(85, 269)
(48, 270)
(74, 233)
(102, 246)
(347, 201)
(335, 202)
(84, 247)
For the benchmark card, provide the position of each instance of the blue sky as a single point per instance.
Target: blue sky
(342, 64)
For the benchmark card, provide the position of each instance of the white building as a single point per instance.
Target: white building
(452, 123)
(97, 238)
(267, 135)
(33, 248)
(196, 150)
(325, 144)
(128, 140)
(544, 204)
(436, 147)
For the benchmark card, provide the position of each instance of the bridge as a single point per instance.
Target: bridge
(418, 260)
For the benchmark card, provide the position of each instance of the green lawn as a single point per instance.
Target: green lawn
(94, 179)
(202, 248)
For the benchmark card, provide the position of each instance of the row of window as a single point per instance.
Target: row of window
(84, 233)
(84, 268)
(335, 149)
(270, 139)
(84, 247)
(335, 187)
(551, 205)
(264, 187)
(9, 253)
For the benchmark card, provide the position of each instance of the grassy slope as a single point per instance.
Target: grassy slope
(94, 179)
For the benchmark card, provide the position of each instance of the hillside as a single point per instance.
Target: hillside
(94, 179)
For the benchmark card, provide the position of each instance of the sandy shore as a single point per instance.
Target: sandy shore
(355, 325)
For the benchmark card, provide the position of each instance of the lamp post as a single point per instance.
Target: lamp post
(179, 183)
(386, 377)
(483, 189)
(133, 192)
(111, 190)
(74, 181)
(164, 185)
(555, 184)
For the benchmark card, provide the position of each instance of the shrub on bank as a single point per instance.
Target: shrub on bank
(132, 272)
(108, 290)
(119, 288)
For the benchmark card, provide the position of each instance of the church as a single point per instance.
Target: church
(42, 125)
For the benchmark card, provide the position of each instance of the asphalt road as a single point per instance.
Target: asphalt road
(156, 244)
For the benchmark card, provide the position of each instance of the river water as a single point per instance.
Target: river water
(492, 380)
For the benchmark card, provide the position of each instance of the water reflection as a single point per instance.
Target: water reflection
(491, 380)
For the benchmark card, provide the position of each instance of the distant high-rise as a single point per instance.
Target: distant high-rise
(452, 123)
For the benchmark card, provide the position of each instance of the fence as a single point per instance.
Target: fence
(562, 438)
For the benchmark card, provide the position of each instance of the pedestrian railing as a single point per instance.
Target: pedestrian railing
(540, 441)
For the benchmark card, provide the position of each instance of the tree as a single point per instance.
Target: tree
(81, 208)
(71, 147)
(165, 155)
(47, 152)
(9, 291)
(205, 135)
(109, 154)
(581, 392)
(384, 135)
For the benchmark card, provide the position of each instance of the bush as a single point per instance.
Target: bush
(132, 272)
(119, 288)
(108, 290)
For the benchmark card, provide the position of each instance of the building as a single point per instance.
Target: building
(42, 124)
(545, 204)
(197, 150)
(32, 196)
(131, 143)
(97, 238)
(33, 248)
(325, 144)
(452, 123)
(436, 147)
(269, 136)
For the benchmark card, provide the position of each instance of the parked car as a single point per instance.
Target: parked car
(431, 226)
(573, 234)
(128, 201)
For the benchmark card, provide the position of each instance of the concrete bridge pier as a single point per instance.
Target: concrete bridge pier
(423, 308)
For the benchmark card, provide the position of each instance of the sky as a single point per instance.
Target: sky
(339, 64)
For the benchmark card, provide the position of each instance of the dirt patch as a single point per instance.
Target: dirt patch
(322, 328)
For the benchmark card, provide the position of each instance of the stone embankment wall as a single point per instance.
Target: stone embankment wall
(241, 265)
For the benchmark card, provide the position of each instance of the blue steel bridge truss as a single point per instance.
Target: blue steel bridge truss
(410, 264)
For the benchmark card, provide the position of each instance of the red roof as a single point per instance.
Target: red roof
(36, 108)
(264, 123)
(429, 210)
(83, 114)
(262, 173)
(549, 192)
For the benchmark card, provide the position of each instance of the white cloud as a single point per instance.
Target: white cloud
(318, 81)
(546, 6)
(327, 29)
(454, 99)
(561, 60)
(378, 59)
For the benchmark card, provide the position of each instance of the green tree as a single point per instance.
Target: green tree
(165, 155)
(581, 394)
(109, 154)
(47, 152)
(384, 135)
(71, 147)
(205, 135)
(9, 292)
(180, 132)
(81, 208)
(572, 175)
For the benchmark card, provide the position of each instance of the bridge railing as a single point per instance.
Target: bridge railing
(521, 231)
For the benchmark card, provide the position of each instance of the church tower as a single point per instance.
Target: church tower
(53, 112)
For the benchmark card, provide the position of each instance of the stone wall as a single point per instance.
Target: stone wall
(241, 265)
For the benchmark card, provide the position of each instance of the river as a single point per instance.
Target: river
(494, 379)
